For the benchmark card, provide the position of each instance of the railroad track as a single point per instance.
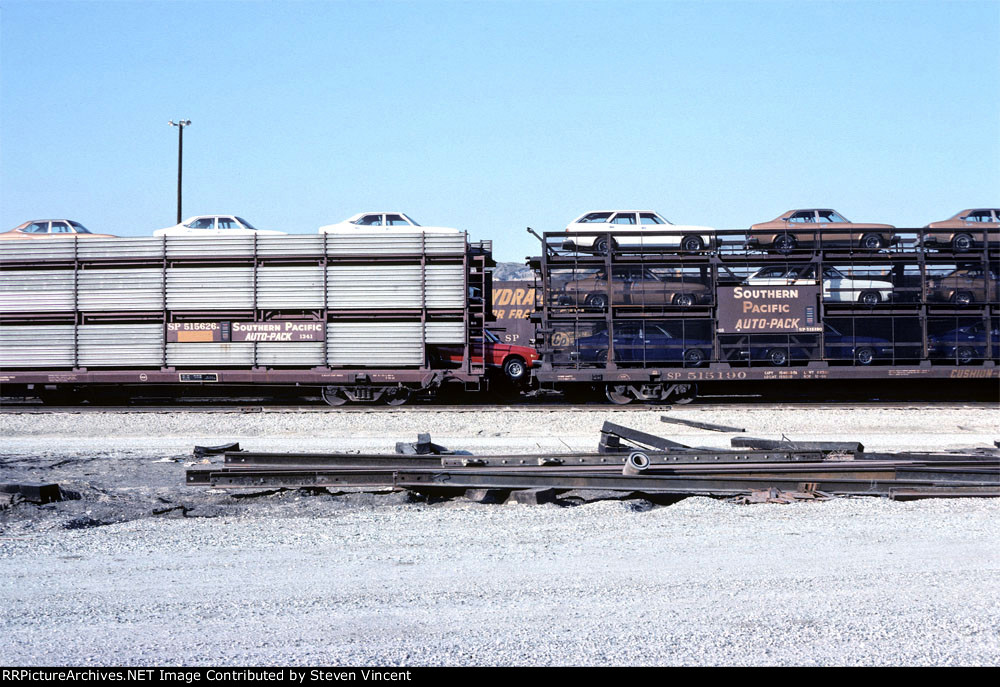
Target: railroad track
(550, 407)
(627, 461)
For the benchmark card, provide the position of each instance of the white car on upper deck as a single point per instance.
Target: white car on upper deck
(215, 225)
(392, 222)
(686, 237)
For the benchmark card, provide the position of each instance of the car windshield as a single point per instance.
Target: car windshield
(80, 229)
(245, 223)
(491, 337)
(410, 220)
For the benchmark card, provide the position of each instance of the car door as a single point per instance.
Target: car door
(649, 221)
(802, 227)
(659, 345)
(836, 287)
(61, 229)
(628, 342)
(203, 226)
(625, 221)
(397, 224)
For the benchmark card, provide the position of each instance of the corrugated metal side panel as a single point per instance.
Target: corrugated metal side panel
(290, 287)
(445, 332)
(307, 245)
(445, 286)
(37, 346)
(38, 249)
(209, 246)
(445, 244)
(373, 344)
(209, 288)
(372, 287)
(120, 289)
(120, 345)
(125, 247)
(36, 290)
(298, 354)
(384, 243)
(189, 354)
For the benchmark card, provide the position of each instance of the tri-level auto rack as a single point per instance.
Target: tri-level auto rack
(667, 319)
(360, 317)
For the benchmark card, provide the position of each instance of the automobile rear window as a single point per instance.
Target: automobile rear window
(596, 217)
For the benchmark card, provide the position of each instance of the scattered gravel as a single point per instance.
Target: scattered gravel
(142, 570)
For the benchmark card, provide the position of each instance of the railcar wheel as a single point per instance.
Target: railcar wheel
(963, 298)
(871, 242)
(961, 243)
(784, 244)
(332, 396)
(683, 395)
(864, 356)
(617, 394)
(965, 355)
(398, 397)
(778, 357)
(870, 298)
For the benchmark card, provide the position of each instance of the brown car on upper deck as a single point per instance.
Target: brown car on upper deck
(817, 228)
(51, 229)
(964, 231)
(632, 285)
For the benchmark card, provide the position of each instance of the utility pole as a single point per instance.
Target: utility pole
(180, 124)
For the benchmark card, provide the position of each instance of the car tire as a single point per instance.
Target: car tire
(693, 357)
(963, 298)
(870, 298)
(961, 243)
(864, 356)
(692, 244)
(871, 242)
(601, 246)
(965, 355)
(597, 300)
(684, 300)
(784, 244)
(778, 357)
(515, 369)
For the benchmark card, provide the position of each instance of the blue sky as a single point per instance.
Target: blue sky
(494, 116)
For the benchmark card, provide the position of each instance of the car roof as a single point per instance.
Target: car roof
(376, 212)
(591, 212)
(809, 210)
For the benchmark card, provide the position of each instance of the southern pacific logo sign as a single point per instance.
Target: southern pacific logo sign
(768, 309)
(224, 332)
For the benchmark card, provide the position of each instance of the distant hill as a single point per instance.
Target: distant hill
(512, 271)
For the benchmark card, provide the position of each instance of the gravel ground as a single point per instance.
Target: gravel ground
(144, 570)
